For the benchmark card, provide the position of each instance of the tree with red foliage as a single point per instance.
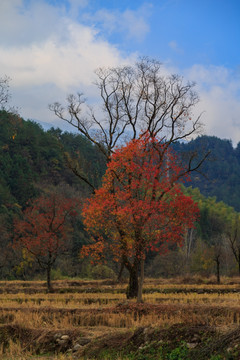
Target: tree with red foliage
(139, 207)
(44, 229)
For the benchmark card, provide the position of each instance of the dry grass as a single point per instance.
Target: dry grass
(173, 303)
(98, 307)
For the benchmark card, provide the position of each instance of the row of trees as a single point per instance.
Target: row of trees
(113, 218)
(140, 208)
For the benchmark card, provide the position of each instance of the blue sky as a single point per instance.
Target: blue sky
(185, 32)
(50, 48)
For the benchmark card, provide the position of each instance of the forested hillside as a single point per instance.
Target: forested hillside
(219, 175)
(30, 157)
(33, 160)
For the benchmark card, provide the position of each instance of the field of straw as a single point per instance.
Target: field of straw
(93, 319)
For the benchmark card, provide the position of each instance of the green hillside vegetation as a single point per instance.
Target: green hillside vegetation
(219, 175)
(33, 161)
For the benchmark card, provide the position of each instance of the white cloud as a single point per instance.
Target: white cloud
(132, 23)
(219, 90)
(23, 25)
(65, 64)
(57, 56)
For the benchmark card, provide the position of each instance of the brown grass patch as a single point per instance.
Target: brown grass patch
(94, 308)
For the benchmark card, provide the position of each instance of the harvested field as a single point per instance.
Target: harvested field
(93, 319)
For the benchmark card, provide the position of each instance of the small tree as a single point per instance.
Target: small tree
(44, 229)
(233, 236)
(218, 252)
(139, 207)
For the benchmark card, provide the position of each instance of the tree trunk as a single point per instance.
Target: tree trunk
(189, 243)
(218, 270)
(121, 271)
(132, 290)
(238, 264)
(49, 284)
(140, 285)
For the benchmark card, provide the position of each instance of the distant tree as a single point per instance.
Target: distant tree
(139, 207)
(216, 217)
(217, 254)
(215, 220)
(217, 225)
(44, 229)
(233, 235)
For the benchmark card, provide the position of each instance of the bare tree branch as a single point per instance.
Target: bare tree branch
(135, 100)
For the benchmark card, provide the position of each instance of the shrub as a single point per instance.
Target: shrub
(103, 272)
